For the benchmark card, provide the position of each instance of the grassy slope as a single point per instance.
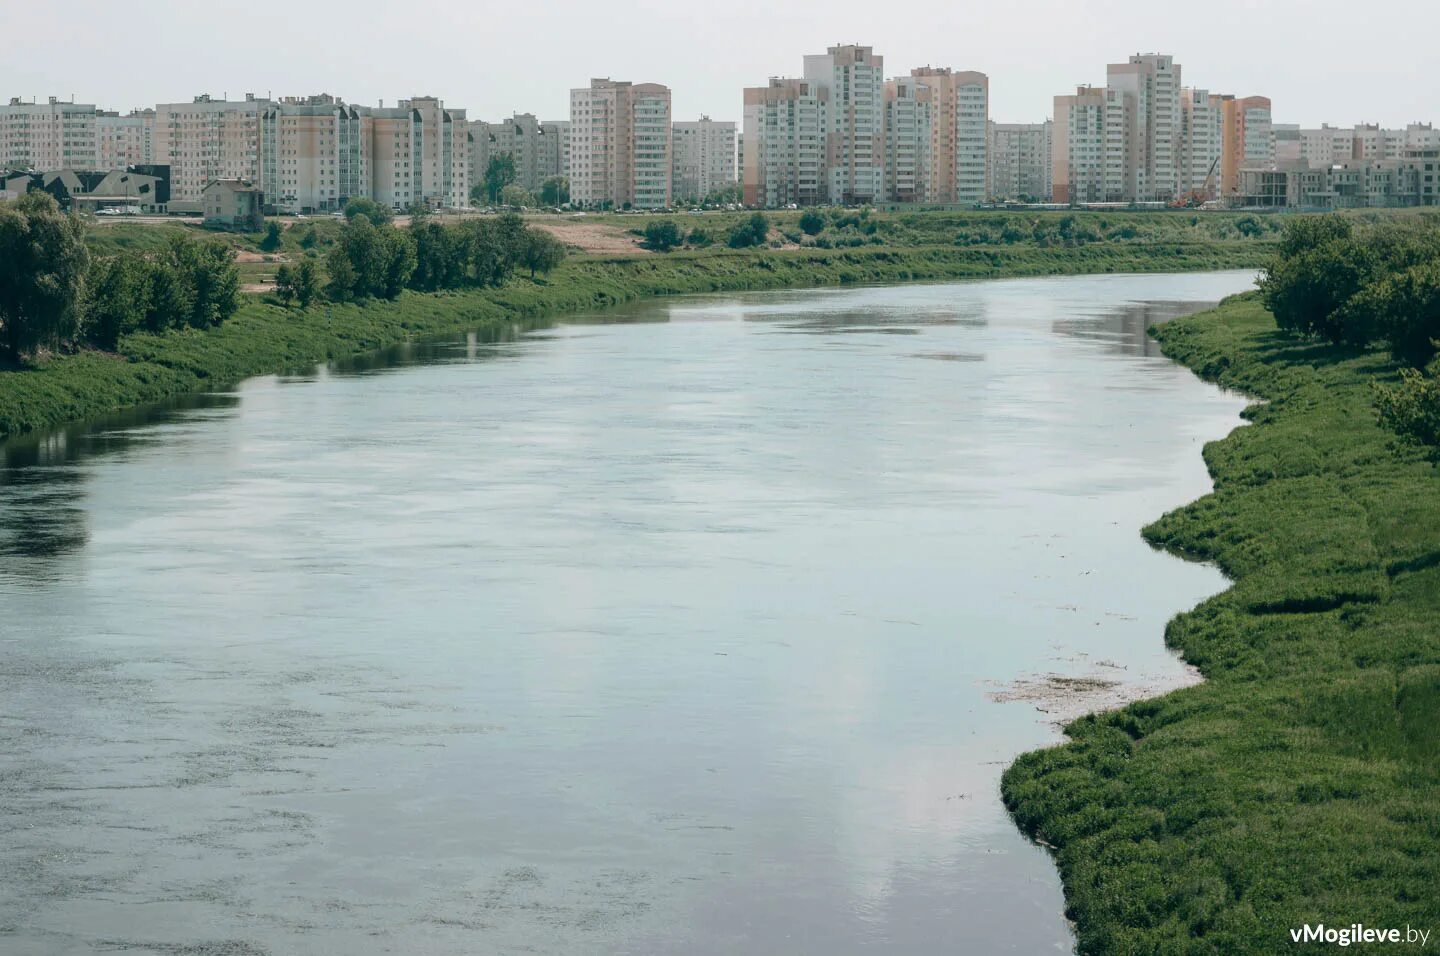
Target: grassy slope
(264, 338)
(1301, 782)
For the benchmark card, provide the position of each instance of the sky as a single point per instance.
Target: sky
(1318, 60)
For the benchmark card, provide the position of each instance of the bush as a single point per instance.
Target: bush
(662, 235)
(812, 223)
(271, 240)
(754, 231)
(1411, 409)
(370, 209)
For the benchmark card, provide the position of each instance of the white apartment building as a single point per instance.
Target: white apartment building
(783, 144)
(48, 136)
(1202, 131)
(127, 140)
(1151, 87)
(909, 123)
(539, 149)
(1020, 158)
(1086, 161)
(205, 140)
(854, 130)
(395, 138)
(704, 157)
(620, 148)
(441, 158)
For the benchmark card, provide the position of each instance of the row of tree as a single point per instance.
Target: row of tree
(1362, 285)
(370, 261)
(54, 294)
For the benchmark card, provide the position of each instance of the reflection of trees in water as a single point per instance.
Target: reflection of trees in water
(43, 478)
(1123, 329)
(901, 322)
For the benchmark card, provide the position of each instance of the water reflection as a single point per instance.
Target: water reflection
(1125, 330)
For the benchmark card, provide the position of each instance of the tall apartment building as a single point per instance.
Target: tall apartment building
(395, 137)
(314, 154)
(1151, 87)
(1202, 137)
(704, 157)
(205, 140)
(126, 140)
(441, 158)
(1089, 147)
(538, 148)
(909, 122)
(620, 145)
(1020, 160)
(49, 136)
(854, 135)
(783, 143)
(960, 134)
(1249, 141)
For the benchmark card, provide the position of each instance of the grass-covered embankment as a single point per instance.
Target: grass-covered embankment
(1301, 782)
(263, 337)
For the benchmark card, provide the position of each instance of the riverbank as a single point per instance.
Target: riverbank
(1301, 782)
(264, 338)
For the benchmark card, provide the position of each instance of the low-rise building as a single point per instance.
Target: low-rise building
(233, 204)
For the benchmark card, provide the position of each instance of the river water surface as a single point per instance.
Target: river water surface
(709, 636)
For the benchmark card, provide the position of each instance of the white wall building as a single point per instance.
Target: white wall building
(50, 135)
(704, 157)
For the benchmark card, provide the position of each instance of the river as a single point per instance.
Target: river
(702, 626)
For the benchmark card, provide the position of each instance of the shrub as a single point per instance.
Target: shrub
(812, 223)
(662, 235)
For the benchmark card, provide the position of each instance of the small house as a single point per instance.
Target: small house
(234, 204)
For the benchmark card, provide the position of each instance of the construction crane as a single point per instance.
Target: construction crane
(1196, 198)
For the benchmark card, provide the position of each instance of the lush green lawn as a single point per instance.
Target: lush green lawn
(1301, 782)
(263, 337)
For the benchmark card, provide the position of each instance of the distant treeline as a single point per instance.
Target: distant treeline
(1375, 284)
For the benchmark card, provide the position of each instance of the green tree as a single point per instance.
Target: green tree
(358, 262)
(662, 235)
(271, 240)
(306, 283)
(1412, 410)
(43, 264)
(116, 296)
(168, 298)
(209, 272)
(284, 285)
(377, 214)
(437, 258)
(398, 250)
(499, 173)
(517, 196)
(555, 191)
(754, 231)
(1402, 309)
(542, 252)
(812, 223)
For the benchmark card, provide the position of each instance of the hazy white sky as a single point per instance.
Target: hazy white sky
(1318, 60)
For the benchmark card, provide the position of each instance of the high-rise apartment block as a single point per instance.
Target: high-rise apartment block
(783, 144)
(1202, 137)
(1020, 161)
(205, 140)
(314, 154)
(127, 140)
(620, 145)
(960, 136)
(1249, 140)
(540, 150)
(854, 136)
(441, 155)
(49, 135)
(704, 158)
(909, 131)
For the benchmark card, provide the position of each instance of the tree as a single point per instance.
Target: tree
(208, 270)
(517, 196)
(271, 241)
(399, 257)
(542, 252)
(306, 283)
(812, 223)
(754, 231)
(1402, 309)
(662, 235)
(499, 173)
(1412, 410)
(437, 259)
(284, 285)
(43, 264)
(168, 296)
(377, 214)
(116, 297)
(555, 191)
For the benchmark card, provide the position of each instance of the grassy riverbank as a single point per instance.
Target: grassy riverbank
(1301, 782)
(263, 337)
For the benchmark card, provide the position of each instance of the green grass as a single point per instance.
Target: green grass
(1301, 782)
(263, 337)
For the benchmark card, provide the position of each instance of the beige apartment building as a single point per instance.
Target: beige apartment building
(783, 144)
(960, 135)
(909, 137)
(1090, 149)
(441, 161)
(205, 140)
(620, 145)
(49, 135)
(704, 157)
(1020, 161)
(314, 154)
(127, 140)
(1202, 138)
(1150, 84)
(854, 134)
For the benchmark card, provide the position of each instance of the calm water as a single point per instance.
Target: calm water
(694, 637)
